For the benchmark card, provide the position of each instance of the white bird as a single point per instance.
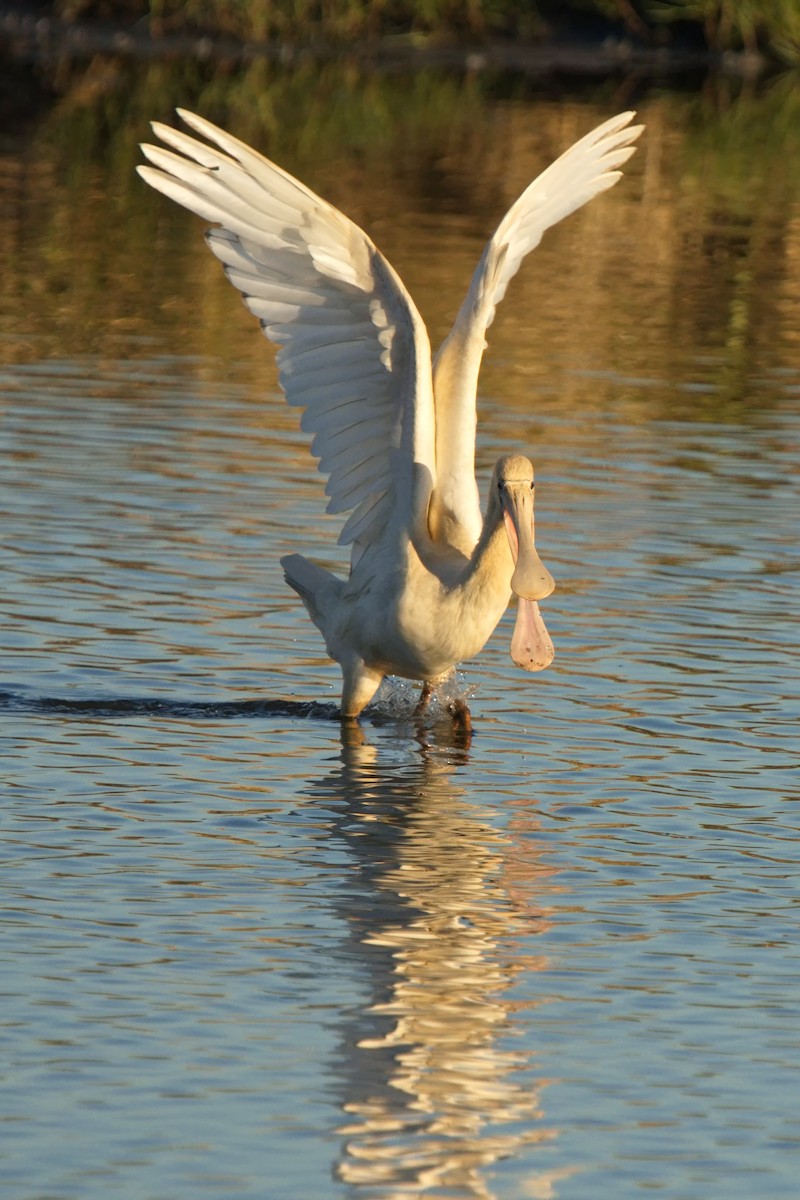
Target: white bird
(393, 429)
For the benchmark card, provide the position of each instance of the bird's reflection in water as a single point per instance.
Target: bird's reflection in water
(433, 1094)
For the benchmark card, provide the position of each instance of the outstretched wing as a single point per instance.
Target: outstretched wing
(355, 353)
(587, 168)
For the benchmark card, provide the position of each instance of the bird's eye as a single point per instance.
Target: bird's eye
(533, 485)
(500, 486)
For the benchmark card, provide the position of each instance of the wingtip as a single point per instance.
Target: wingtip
(615, 133)
(152, 176)
(607, 180)
(197, 123)
(621, 124)
(619, 157)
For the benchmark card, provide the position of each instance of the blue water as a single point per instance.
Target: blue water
(242, 958)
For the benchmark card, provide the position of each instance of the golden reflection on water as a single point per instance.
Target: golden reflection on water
(435, 1095)
(693, 257)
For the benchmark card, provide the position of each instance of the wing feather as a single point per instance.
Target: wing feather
(363, 516)
(338, 415)
(354, 351)
(589, 167)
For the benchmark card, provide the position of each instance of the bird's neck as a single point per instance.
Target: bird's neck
(485, 572)
(491, 564)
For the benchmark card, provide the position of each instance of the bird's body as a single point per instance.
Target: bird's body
(407, 609)
(394, 431)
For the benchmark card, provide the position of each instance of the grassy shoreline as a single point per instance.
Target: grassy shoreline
(757, 29)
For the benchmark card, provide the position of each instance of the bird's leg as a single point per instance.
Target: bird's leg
(359, 686)
(424, 700)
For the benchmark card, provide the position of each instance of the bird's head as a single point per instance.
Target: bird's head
(512, 492)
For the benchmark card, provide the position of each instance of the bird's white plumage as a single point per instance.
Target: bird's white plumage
(354, 354)
(586, 169)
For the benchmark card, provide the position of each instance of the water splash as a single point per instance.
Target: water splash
(397, 699)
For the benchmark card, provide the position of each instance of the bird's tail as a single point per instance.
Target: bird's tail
(315, 586)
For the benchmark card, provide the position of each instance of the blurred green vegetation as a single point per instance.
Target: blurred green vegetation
(771, 27)
(337, 20)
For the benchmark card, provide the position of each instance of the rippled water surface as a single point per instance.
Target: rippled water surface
(245, 957)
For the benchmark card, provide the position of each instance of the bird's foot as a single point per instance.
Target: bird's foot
(461, 718)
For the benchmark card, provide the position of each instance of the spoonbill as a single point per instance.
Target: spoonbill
(393, 429)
